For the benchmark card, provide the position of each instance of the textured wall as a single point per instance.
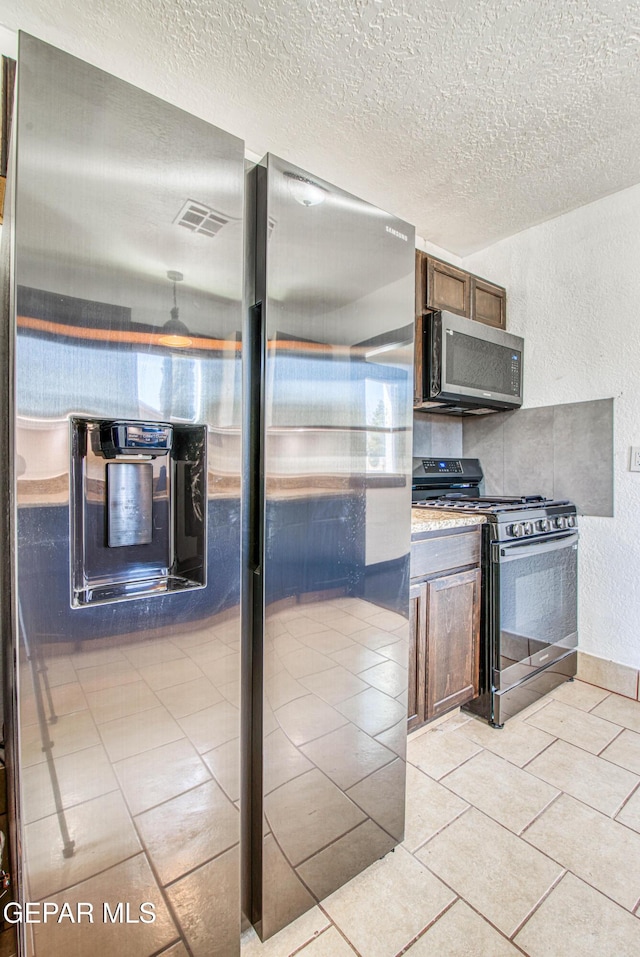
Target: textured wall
(471, 119)
(574, 293)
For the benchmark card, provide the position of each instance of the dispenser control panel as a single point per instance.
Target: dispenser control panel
(121, 438)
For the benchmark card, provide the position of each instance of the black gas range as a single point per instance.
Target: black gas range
(528, 623)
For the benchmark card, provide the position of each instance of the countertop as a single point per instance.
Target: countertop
(434, 520)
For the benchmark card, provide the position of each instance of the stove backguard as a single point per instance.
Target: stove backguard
(138, 509)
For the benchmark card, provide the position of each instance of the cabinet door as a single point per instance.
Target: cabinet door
(421, 282)
(453, 625)
(421, 304)
(448, 288)
(417, 653)
(418, 375)
(489, 303)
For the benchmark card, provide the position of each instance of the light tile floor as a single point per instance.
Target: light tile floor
(524, 840)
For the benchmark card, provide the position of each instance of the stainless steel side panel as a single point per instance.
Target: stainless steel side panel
(336, 285)
(128, 756)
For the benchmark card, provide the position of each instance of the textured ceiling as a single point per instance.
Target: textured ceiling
(471, 119)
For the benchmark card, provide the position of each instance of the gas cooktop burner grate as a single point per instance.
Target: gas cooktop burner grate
(489, 504)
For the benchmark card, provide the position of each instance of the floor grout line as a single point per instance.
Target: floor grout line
(439, 830)
(332, 923)
(537, 817)
(539, 903)
(631, 793)
(317, 935)
(491, 924)
(428, 926)
(621, 730)
(525, 766)
(598, 703)
(556, 797)
(563, 871)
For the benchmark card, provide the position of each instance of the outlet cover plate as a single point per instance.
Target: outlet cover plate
(634, 465)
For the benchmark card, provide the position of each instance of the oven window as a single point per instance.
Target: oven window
(538, 606)
(478, 364)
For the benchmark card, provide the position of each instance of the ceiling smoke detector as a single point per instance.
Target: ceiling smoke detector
(201, 219)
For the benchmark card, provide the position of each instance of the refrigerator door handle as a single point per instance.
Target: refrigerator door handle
(256, 351)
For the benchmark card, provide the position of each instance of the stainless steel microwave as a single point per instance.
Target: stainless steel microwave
(469, 368)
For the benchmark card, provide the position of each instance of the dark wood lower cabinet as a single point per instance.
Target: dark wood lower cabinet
(417, 651)
(445, 634)
(452, 640)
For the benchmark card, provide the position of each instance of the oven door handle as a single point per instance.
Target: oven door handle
(510, 553)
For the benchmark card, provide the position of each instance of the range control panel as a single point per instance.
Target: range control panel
(541, 526)
(441, 472)
(443, 466)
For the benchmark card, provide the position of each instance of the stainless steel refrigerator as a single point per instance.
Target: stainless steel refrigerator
(328, 430)
(205, 552)
(121, 508)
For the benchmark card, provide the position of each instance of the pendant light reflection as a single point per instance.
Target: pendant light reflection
(174, 332)
(304, 190)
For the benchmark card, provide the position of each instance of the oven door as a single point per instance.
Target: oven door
(535, 605)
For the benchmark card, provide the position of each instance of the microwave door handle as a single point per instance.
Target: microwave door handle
(529, 549)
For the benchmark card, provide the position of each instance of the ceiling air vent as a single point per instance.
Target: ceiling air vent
(201, 219)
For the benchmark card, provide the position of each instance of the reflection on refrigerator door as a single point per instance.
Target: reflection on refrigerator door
(328, 570)
(127, 546)
(132, 452)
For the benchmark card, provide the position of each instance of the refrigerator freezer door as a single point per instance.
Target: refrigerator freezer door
(127, 732)
(330, 550)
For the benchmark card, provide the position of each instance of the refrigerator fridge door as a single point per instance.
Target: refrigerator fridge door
(329, 463)
(126, 622)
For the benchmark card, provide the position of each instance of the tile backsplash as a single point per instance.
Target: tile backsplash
(561, 451)
(436, 435)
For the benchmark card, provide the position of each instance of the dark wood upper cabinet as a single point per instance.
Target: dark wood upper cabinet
(421, 279)
(448, 288)
(439, 285)
(421, 283)
(489, 303)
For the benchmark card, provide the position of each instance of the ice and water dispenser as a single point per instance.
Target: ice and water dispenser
(138, 509)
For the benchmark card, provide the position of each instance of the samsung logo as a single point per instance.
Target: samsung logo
(394, 232)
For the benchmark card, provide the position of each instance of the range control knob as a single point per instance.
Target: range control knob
(528, 528)
(571, 521)
(559, 522)
(517, 530)
(543, 525)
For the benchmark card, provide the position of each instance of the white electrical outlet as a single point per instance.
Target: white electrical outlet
(634, 465)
